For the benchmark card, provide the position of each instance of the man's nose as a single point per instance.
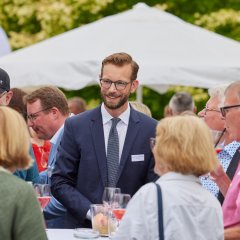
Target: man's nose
(112, 88)
(29, 122)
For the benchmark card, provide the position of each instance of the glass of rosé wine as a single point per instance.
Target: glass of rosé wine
(43, 194)
(118, 209)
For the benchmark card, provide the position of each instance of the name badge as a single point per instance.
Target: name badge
(138, 158)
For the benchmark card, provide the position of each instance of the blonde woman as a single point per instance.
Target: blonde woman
(20, 215)
(141, 107)
(183, 151)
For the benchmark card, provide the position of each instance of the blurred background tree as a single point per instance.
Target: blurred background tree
(30, 21)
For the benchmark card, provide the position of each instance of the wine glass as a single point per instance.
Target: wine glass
(108, 195)
(43, 194)
(119, 205)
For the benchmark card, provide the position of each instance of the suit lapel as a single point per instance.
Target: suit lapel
(99, 143)
(133, 128)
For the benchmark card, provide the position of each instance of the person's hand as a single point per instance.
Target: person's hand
(218, 173)
(232, 233)
(221, 179)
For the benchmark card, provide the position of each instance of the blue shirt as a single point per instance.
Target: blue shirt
(225, 157)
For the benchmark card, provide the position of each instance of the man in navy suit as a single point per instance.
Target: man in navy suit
(82, 167)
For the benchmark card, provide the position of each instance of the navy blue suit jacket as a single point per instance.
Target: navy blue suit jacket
(80, 173)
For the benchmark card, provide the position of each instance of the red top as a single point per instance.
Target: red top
(41, 154)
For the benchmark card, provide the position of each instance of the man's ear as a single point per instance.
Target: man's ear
(169, 111)
(195, 109)
(9, 95)
(55, 112)
(134, 86)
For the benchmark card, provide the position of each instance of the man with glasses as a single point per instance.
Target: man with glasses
(106, 146)
(230, 189)
(213, 118)
(47, 110)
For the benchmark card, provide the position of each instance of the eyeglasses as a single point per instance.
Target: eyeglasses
(2, 94)
(225, 109)
(152, 142)
(119, 85)
(33, 116)
(206, 109)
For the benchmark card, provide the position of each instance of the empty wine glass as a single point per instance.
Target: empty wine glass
(108, 195)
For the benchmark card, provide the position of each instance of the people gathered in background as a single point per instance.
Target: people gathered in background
(77, 105)
(141, 107)
(179, 103)
(109, 146)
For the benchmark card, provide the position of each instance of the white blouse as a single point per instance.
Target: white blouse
(190, 212)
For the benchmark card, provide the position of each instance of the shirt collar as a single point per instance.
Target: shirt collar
(54, 139)
(107, 117)
(178, 176)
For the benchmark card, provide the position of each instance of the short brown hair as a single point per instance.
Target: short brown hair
(14, 140)
(79, 104)
(49, 97)
(184, 144)
(17, 102)
(121, 59)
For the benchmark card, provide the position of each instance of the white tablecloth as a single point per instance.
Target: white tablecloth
(63, 234)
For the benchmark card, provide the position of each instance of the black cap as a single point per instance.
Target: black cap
(4, 81)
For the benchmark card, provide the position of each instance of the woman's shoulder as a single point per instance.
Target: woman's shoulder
(14, 184)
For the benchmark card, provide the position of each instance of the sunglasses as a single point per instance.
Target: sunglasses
(224, 110)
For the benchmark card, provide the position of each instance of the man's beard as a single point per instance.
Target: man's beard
(117, 105)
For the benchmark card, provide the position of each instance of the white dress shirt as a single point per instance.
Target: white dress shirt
(121, 127)
(190, 212)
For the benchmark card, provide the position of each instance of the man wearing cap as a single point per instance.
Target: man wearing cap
(5, 93)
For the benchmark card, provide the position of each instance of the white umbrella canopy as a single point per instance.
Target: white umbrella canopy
(4, 44)
(168, 50)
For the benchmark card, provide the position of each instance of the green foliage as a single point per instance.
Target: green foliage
(29, 21)
(155, 101)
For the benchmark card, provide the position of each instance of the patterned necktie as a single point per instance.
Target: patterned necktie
(113, 153)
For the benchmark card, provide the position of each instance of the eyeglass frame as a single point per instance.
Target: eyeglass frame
(2, 94)
(224, 108)
(32, 117)
(207, 109)
(108, 81)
